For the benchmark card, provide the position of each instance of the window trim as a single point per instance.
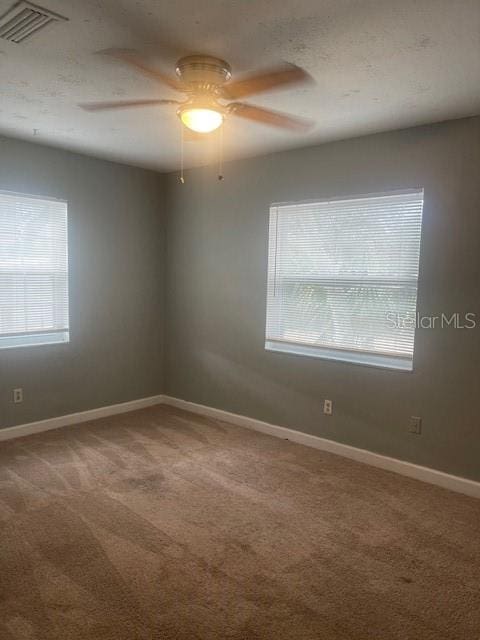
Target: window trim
(353, 196)
(33, 196)
(366, 358)
(399, 363)
(19, 341)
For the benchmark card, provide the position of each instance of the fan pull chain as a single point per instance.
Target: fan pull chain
(182, 179)
(220, 152)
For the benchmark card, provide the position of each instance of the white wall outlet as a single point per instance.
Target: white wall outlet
(327, 407)
(415, 425)
(18, 395)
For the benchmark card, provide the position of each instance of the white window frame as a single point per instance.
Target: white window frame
(41, 337)
(348, 355)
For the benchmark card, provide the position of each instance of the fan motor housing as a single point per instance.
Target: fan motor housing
(203, 70)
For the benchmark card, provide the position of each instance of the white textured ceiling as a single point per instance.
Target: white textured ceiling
(378, 65)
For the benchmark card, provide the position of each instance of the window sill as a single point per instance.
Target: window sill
(352, 357)
(34, 340)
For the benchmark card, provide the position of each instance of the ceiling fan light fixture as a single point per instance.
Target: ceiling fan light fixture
(206, 81)
(201, 119)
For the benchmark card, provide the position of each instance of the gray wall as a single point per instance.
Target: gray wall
(216, 290)
(116, 236)
(216, 262)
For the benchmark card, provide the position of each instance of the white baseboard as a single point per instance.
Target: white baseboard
(425, 474)
(76, 418)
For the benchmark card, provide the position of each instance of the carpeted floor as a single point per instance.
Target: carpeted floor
(163, 525)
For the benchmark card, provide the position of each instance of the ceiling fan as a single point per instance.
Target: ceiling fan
(207, 83)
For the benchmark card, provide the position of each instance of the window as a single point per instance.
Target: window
(33, 271)
(342, 278)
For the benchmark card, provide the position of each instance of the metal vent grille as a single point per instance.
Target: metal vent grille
(24, 19)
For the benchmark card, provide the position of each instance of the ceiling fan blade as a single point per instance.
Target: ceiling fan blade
(135, 60)
(269, 117)
(272, 79)
(123, 104)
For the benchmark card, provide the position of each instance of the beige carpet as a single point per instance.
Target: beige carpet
(163, 525)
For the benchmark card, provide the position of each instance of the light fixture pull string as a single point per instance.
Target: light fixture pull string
(182, 179)
(220, 152)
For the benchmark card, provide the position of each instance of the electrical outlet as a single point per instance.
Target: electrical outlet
(415, 425)
(18, 395)
(327, 407)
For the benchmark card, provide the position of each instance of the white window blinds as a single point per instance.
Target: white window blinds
(33, 270)
(342, 278)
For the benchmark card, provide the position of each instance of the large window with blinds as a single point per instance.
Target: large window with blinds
(33, 270)
(342, 278)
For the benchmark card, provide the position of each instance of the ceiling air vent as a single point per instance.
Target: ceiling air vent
(24, 19)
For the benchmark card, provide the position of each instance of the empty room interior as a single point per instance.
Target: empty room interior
(240, 320)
